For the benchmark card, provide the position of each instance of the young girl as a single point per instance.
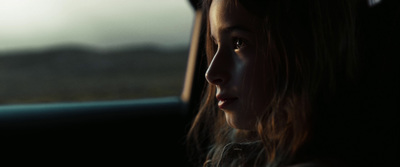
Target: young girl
(281, 74)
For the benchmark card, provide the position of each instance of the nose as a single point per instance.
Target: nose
(218, 72)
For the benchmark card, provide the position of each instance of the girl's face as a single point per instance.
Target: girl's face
(242, 86)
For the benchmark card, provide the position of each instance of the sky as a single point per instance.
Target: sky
(27, 24)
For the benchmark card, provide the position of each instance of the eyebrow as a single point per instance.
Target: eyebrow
(236, 28)
(229, 29)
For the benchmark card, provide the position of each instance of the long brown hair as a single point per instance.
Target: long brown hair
(308, 52)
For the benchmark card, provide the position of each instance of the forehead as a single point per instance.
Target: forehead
(227, 13)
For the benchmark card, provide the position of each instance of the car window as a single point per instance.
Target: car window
(92, 50)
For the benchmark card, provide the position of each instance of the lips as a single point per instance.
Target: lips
(225, 101)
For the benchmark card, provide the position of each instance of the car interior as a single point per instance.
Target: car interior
(134, 132)
(148, 131)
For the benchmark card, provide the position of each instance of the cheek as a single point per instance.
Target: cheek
(257, 87)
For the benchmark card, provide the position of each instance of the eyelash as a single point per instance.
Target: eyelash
(239, 43)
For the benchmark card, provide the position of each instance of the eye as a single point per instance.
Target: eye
(239, 43)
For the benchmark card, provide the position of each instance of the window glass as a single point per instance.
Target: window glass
(74, 50)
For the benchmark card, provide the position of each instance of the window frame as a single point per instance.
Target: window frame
(189, 95)
(103, 129)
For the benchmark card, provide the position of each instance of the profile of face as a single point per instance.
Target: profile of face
(242, 86)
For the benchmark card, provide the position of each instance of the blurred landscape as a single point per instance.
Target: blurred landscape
(76, 73)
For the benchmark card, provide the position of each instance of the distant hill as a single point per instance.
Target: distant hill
(85, 74)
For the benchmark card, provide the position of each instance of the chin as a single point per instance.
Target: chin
(237, 122)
